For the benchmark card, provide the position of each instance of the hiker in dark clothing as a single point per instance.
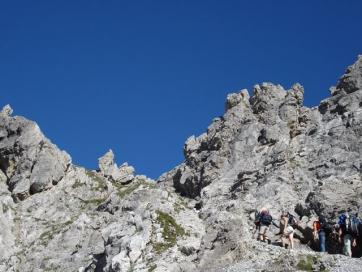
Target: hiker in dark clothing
(256, 224)
(333, 245)
(265, 219)
(348, 231)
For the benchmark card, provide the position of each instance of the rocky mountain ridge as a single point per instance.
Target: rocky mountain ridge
(266, 150)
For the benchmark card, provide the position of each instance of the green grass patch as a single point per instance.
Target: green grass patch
(124, 190)
(100, 183)
(48, 235)
(149, 185)
(180, 205)
(94, 201)
(161, 247)
(77, 184)
(170, 231)
(152, 268)
(307, 263)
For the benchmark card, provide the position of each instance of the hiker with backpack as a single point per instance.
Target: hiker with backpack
(321, 230)
(265, 220)
(348, 231)
(288, 224)
(256, 224)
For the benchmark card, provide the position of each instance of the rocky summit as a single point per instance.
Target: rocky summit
(267, 150)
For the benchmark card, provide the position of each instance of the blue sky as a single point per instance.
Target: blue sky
(140, 77)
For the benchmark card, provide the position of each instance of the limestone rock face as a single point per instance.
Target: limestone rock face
(30, 162)
(351, 81)
(267, 150)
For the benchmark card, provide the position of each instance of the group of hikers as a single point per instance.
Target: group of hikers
(345, 231)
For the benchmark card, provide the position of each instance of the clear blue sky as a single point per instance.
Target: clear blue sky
(140, 77)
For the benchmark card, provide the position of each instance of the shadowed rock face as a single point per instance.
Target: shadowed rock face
(266, 150)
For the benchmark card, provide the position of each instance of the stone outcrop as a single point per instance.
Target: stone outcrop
(124, 174)
(30, 161)
(268, 149)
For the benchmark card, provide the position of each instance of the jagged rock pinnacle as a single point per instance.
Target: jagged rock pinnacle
(7, 110)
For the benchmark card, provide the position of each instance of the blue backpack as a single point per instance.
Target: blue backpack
(351, 225)
(342, 219)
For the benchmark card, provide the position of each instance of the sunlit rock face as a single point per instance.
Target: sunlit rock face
(267, 150)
